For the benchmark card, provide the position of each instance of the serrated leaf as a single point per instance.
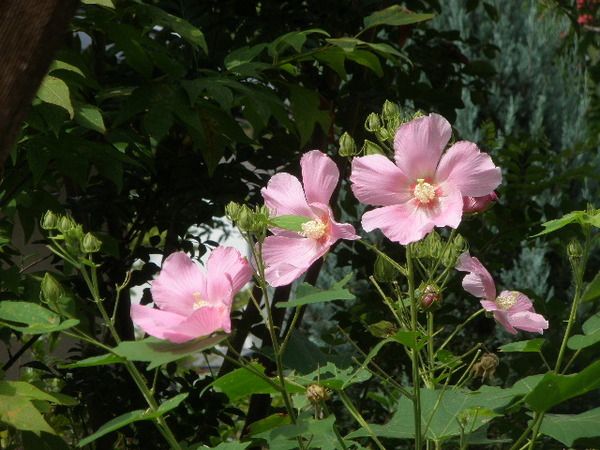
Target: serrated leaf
(32, 318)
(567, 428)
(529, 346)
(394, 15)
(90, 117)
(158, 352)
(289, 222)
(581, 217)
(55, 91)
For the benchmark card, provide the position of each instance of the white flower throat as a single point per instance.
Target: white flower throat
(424, 192)
(198, 302)
(313, 229)
(507, 301)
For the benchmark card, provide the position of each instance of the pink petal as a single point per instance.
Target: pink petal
(419, 143)
(320, 176)
(488, 305)
(528, 321)
(523, 302)
(154, 321)
(202, 322)
(479, 282)
(284, 195)
(472, 172)
(342, 231)
(286, 259)
(173, 290)
(504, 319)
(227, 273)
(403, 223)
(378, 181)
(446, 210)
(473, 205)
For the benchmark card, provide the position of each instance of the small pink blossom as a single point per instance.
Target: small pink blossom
(288, 254)
(191, 302)
(512, 309)
(423, 189)
(472, 205)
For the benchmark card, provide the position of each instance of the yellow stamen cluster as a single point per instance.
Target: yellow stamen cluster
(507, 301)
(313, 229)
(198, 302)
(424, 192)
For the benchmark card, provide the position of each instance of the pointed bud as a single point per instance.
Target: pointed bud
(390, 110)
(245, 219)
(232, 210)
(49, 221)
(473, 205)
(372, 124)
(371, 148)
(73, 239)
(90, 243)
(51, 289)
(65, 223)
(430, 297)
(347, 145)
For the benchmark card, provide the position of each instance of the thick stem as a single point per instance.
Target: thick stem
(415, 352)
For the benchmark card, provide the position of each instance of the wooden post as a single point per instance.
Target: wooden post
(30, 33)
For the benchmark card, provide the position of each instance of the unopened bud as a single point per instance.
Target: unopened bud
(315, 393)
(347, 145)
(65, 223)
(390, 110)
(372, 124)
(51, 289)
(430, 297)
(245, 218)
(371, 148)
(574, 252)
(90, 243)
(232, 210)
(49, 221)
(73, 238)
(474, 205)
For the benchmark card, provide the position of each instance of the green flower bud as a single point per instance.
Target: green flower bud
(73, 238)
(372, 124)
(390, 110)
(49, 221)
(371, 148)
(347, 145)
(232, 210)
(90, 243)
(384, 271)
(383, 134)
(51, 289)
(574, 252)
(65, 223)
(245, 219)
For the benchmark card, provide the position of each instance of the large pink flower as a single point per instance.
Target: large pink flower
(423, 189)
(512, 309)
(288, 254)
(193, 303)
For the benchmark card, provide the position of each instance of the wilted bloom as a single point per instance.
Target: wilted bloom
(289, 254)
(473, 205)
(423, 189)
(191, 302)
(512, 309)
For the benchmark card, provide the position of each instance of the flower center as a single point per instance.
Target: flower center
(198, 302)
(424, 192)
(507, 301)
(313, 229)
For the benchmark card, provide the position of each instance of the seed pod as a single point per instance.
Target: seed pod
(315, 393)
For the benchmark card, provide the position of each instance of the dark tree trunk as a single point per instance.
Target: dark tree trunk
(30, 33)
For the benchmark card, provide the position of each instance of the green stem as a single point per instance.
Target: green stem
(359, 418)
(415, 352)
(430, 349)
(459, 328)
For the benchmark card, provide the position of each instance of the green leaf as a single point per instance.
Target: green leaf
(180, 26)
(305, 105)
(591, 336)
(333, 377)
(394, 15)
(20, 413)
(307, 294)
(90, 117)
(231, 445)
(101, 360)
(581, 217)
(242, 56)
(128, 39)
(133, 416)
(567, 428)
(529, 346)
(158, 352)
(320, 433)
(105, 3)
(554, 389)
(55, 91)
(61, 65)
(293, 39)
(289, 222)
(334, 58)
(30, 392)
(268, 423)
(367, 59)
(592, 290)
(243, 382)
(38, 320)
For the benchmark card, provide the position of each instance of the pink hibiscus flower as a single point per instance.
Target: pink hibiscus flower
(193, 303)
(512, 309)
(423, 189)
(288, 254)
